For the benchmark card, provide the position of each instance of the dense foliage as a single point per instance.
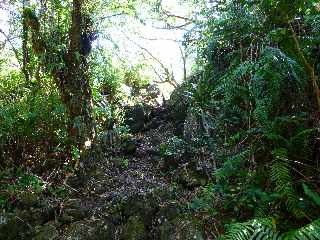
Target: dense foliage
(258, 89)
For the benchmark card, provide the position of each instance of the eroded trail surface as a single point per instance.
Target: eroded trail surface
(126, 174)
(127, 194)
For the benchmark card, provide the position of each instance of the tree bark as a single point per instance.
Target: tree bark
(75, 87)
(25, 52)
(308, 67)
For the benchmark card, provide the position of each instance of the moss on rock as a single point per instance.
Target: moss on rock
(134, 229)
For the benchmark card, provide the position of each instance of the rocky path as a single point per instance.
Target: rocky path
(135, 173)
(131, 198)
(127, 196)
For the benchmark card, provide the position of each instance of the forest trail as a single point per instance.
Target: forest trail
(128, 196)
(122, 174)
(87, 152)
(127, 193)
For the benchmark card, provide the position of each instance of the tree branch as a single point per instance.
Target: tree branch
(16, 53)
(111, 16)
(170, 15)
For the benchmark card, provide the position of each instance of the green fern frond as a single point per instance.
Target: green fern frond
(311, 194)
(281, 177)
(232, 165)
(309, 232)
(255, 229)
(265, 234)
(239, 231)
(263, 229)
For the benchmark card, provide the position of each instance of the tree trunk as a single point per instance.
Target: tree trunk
(309, 68)
(75, 87)
(25, 52)
(72, 79)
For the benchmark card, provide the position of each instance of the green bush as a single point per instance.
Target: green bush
(33, 121)
(254, 83)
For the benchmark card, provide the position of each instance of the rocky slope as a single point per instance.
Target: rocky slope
(127, 194)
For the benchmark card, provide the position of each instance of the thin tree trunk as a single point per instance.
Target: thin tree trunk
(76, 90)
(184, 62)
(308, 67)
(25, 52)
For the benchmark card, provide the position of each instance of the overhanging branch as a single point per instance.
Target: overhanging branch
(15, 51)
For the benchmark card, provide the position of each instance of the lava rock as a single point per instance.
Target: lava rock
(93, 230)
(46, 232)
(135, 118)
(27, 199)
(75, 210)
(134, 229)
(179, 229)
(79, 231)
(129, 146)
(188, 177)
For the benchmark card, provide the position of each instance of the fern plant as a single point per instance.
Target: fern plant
(264, 229)
(280, 175)
(310, 231)
(263, 114)
(311, 194)
(253, 229)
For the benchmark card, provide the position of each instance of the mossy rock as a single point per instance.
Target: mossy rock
(106, 230)
(180, 229)
(13, 227)
(79, 231)
(168, 212)
(179, 103)
(129, 146)
(189, 178)
(144, 206)
(65, 219)
(135, 118)
(134, 229)
(90, 230)
(46, 232)
(192, 127)
(27, 199)
(75, 209)
(20, 225)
